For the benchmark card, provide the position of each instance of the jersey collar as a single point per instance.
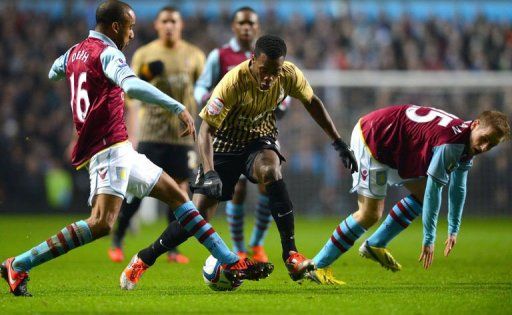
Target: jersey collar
(103, 37)
(235, 46)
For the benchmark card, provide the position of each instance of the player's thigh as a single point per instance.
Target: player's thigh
(169, 191)
(417, 188)
(109, 171)
(263, 163)
(371, 179)
(148, 179)
(178, 161)
(229, 168)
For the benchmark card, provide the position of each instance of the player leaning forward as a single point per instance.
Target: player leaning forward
(424, 149)
(238, 136)
(97, 74)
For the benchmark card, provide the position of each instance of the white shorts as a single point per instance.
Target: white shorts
(373, 177)
(121, 171)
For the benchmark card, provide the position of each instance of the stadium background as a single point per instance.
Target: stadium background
(454, 55)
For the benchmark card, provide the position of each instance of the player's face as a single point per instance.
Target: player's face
(125, 31)
(267, 70)
(482, 138)
(245, 26)
(169, 25)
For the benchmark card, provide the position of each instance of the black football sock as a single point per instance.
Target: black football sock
(173, 235)
(123, 221)
(282, 210)
(170, 219)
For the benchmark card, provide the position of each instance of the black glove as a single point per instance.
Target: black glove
(208, 184)
(151, 70)
(346, 155)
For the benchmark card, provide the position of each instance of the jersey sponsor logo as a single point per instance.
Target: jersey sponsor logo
(215, 106)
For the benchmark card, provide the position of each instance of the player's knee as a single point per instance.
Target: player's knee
(100, 226)
(269, 174)
(371, 217)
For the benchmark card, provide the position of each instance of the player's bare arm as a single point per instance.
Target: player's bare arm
(316, 109)
(212, 185)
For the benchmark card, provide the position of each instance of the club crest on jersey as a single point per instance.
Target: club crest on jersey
(215, 106)
(381, 178)
(121, 63)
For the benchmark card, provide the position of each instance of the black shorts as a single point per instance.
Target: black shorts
(178, 161)
(230, 166)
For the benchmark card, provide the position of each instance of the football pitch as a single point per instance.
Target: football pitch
(476, 278)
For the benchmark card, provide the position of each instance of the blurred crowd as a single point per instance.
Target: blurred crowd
(36, 126)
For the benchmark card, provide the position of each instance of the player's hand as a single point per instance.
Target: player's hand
(212, 185)
(427, 255)
(149, 71)
(450, 243)
(346, 155)
(188, 121)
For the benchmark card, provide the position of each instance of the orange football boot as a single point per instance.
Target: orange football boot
(17, 280)
(176, 257)
(298, 265)
(116, 254)
(132, 273)
(258, 254)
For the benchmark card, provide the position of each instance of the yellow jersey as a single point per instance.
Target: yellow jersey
(241, 112)
(183, 65)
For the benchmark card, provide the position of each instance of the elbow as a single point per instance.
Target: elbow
(128, 88)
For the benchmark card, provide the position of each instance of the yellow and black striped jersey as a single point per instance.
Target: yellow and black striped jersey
(183, 64)
(241, 112)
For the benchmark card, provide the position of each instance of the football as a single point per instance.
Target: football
(215, 278)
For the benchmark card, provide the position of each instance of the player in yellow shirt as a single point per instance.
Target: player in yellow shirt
(238, 136)
(172, 65)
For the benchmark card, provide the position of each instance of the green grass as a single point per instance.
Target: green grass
(476, 278)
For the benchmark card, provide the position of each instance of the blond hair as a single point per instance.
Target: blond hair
(496, 120)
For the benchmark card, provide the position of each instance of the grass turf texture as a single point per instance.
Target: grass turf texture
(476, 278)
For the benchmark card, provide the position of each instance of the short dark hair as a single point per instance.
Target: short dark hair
(168, 8)
(246, 8)
(112, 11)
(271, 45)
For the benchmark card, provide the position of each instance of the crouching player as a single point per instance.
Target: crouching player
(97, 74)
(423, 149)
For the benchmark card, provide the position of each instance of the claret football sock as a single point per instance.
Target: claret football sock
(72, 236)
(282, 210)
(342, 239)
(263, 219)
(235, 215)
(400, 216)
